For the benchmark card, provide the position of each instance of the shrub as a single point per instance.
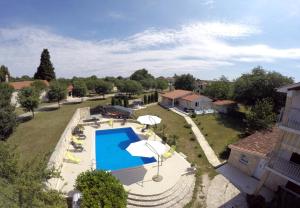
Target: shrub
(172, 140)
(199, 155)
(206, 134)
(193, 115)
(188, 126)
(254, 201)
(100, 189)
(192, 139)
(225, 153)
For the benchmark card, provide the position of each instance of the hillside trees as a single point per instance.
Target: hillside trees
(185, 82)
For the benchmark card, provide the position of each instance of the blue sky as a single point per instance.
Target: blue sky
(207, 38)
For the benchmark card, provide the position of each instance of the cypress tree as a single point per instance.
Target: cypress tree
(45, 71)
(113, 101)
(156, 96)
(149, 99)
(145, 100)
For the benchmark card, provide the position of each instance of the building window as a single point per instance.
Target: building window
(244, 159)
(196, 104)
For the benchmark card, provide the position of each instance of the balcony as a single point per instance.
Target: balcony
(289, 120)
(286, 169)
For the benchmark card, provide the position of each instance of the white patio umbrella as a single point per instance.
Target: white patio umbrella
(146, 148)
(149, 120)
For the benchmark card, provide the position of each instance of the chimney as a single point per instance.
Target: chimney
(6, 78)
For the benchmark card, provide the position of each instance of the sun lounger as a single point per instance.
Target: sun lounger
(74, 139)
(70, 157)
(169, 154)
(111, 122)
(77, 147)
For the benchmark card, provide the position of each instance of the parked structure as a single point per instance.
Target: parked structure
(186, 100)
(225, 106)
(283, 169)
(251, 153)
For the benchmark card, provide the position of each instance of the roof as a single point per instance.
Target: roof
(259, 143)
(224, 102)
(191, 97)
(23, 84)
(70, 88)
(176, 94)
(286, 88)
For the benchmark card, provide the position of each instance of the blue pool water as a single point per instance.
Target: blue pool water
(111, 151)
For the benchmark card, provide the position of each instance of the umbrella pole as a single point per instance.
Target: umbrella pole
(157, 177)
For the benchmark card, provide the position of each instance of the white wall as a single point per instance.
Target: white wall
(14, 98)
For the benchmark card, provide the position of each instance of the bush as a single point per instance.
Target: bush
(192, 139)
(225, 153)
(254, 201)
(199, 155)
(188, 126)
(172, 140)
(100, 189)
(193, 115)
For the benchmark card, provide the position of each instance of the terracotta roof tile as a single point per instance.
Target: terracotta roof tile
(176, 94)
(192, 97)
(259, 143)
(224, 102)
(23, 84)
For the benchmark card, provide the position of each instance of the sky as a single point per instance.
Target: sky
(206, 38)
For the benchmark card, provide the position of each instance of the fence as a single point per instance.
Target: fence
(57, 156)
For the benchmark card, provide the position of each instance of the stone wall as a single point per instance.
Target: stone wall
(57, 156)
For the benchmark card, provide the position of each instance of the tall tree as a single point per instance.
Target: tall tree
(57, 92)
(161, 83)
(130, 87)
(185, 82)
(219, 89)
(45, 71)
(3, 72)
(260, 116)
(7, 115)
(103, 87)
(146, 79)
(29, 99)
(79, 89)
(39, 86)
(260, 84)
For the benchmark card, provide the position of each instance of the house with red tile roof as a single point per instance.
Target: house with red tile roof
(251, 154)
(225, 106)
(184, 99)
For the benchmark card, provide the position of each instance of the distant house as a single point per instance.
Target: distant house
(200, 85)
(70, 90)
(251, 154)
(225, 106)
(186, 100)
(23, 84)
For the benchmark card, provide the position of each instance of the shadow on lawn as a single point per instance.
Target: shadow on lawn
(233, 122)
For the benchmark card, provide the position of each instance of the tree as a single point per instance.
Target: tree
(24, 185)
(39, 86)
(145, 99)
(45, 71)
(3, 72)
(7, 115)
(149, 99)
(146, 79)
(103, 87)
(260, 84)
(57, 92)
(155, 96)
(161, 83)
(29, 99)
(79, 89)
(126, 103)
(261, 115)
(100, 189)
(185, 82)
(219, 89)
(130, 87)
(113, 101)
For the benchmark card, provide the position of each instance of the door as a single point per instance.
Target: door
(260, 168)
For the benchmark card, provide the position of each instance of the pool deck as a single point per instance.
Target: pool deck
(135, 180)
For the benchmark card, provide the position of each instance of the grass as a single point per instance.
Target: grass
(19, 111)
(39, 136)
(220, 130)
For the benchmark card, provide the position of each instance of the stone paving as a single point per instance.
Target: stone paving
(208, 151)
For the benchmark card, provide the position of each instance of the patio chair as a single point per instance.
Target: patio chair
(77, 147)
(111, 123)
(70, 157)
(75, 140)
(169, 154)
(80, 136)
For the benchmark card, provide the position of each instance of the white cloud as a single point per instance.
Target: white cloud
(190, 48)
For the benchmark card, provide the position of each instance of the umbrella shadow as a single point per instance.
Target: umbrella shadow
(124, 144)
(131, 176)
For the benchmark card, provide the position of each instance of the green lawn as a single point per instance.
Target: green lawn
(40, 135)
(219, 130)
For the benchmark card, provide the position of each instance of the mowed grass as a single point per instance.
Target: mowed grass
(40, 135)
(220, 130)
(175, 126)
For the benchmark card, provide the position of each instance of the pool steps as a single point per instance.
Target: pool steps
(176, 197)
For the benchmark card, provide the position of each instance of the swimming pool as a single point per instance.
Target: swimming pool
(111, 153)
